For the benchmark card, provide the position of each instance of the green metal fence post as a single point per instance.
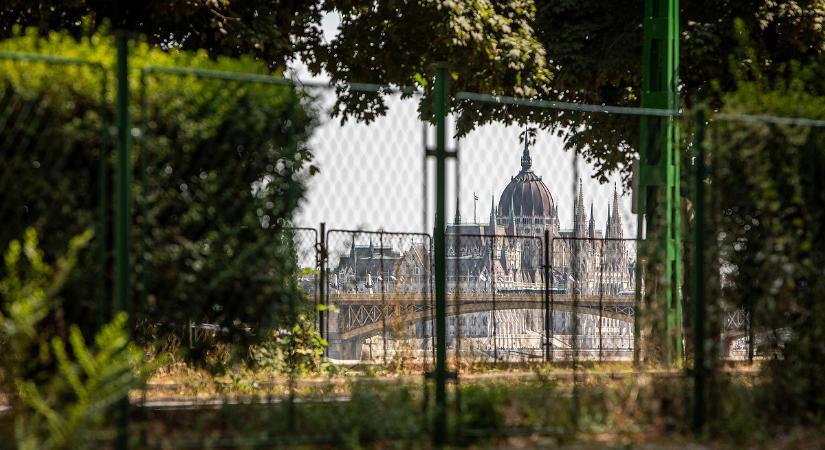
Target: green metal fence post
(122, 209)
(292, 144)
(440, 108)
(103, 207)
(547, 316)
(659, 196)
(321, 251)
(699, 369)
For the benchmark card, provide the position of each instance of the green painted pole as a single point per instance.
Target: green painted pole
(123, 179)
(103, 207)
(321, 251)
(699, 369)
(547, 316)
(659, 196)
(440, 263)
(122, 209)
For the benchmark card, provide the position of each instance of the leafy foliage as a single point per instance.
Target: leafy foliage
(224, 164)
(393, 42)
(578, 51)
(296, 350)
(63, 392)
(768, 208)
(596, 51)
(272, 31)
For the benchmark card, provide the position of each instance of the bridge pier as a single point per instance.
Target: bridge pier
(345, 349)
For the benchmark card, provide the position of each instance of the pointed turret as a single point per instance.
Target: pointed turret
(579, 219)
(607, 225)
(591, 226)
(526, 161)
(492, 210)
(513, 219)
(457, 219)
(615, 218)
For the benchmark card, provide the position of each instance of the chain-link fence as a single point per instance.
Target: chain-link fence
(264, 271)
(379, 298)
(55, 170)
(757, 251)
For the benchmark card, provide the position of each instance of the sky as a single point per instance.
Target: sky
(373, 176)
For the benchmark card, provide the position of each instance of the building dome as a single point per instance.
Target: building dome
(526, 195)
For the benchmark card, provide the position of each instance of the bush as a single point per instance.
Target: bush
(768, 213)
(64, 386)
(224, 163)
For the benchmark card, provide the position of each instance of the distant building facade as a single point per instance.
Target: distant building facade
(505, 253)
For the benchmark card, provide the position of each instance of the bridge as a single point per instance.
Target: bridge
(363, 315)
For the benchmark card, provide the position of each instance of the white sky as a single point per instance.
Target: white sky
(372, 176)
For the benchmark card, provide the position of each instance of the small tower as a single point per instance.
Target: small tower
(579, 219)
(492, 212)
(615, 223)
(526, 160)
(513, 229)
(591, 227)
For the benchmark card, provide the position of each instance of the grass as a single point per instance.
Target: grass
(517, 405)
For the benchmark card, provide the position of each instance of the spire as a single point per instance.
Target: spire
(591, 228)
(526, 161)
(615, 218)
(579, 220)
(457, 219)
(513, 217)
(475, 202)
(492, 209)
(581, 193)
(607, 225)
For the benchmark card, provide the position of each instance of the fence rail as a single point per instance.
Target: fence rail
(233, 171)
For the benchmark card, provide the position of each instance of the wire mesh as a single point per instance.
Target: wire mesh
(216, 184)
(566, 171)
(555, 188)
(758, 215)
(560, 277)
(227, 207)
(55, 170)
(371, 173)
(380, 291)
(595, 296)
(496, 296)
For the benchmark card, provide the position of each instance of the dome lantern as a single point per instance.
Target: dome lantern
(526, 195)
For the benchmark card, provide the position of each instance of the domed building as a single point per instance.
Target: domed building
(527, 201)
(506, 253)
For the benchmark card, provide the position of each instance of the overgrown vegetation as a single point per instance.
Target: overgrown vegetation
(64, 383)
(221, 165)
(766, 211)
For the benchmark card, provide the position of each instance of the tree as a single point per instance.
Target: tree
(224, 166)
(272, 31)
(765, 226)
(581, 52)
(63, 386)
(578, 51)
